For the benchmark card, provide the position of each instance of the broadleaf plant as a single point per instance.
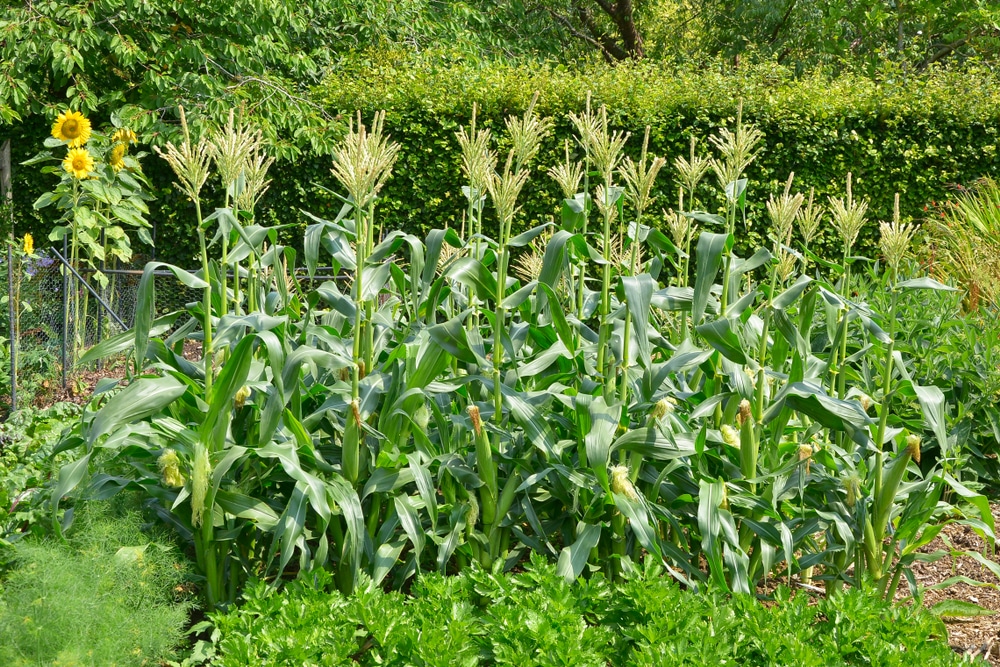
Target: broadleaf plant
(428, 407)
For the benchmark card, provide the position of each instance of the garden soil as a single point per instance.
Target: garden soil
(978, 636)
(85, 379)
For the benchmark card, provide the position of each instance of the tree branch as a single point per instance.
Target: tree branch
(781, 24)
(606, 6)
(946, 50)
(612, 50)
(559, 18)
(625, 21)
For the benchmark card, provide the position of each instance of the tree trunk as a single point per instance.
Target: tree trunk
(628, 42)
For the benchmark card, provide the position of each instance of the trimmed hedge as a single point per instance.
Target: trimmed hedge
(916, 135)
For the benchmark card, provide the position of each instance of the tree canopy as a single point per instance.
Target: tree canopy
(265, 56)
(152, 55)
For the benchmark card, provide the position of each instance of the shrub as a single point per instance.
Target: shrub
(106, 598)
(897, 132)
(914, 135)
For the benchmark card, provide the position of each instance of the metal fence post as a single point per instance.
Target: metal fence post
(83, 281)
(8, 197)
(13, 322)
(100, 311)
(65, 328)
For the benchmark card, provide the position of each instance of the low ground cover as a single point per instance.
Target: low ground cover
(111, 595)
(536, 618)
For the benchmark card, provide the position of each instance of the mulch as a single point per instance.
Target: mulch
(977, 636)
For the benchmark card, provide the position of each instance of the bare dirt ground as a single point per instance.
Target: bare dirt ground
(80, 387)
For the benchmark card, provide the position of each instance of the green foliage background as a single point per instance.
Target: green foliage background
(918, 135)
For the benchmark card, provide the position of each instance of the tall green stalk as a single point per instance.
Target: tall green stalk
(207, 350)
(604, 338)
(500, 315)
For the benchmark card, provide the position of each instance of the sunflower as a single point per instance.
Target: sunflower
(124, 136)
(79, 163)
(117, 159)
(71, 127)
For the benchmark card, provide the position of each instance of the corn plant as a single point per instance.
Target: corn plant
(562, 392)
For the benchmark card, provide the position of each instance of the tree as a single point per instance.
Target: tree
(608, 25)
(151, 55)
(805, 32)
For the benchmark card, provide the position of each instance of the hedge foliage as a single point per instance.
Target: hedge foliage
(918, 135)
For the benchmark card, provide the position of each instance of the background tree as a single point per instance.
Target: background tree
(808, 32)
(214, 55)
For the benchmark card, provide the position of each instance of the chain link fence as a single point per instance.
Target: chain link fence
(54, 314)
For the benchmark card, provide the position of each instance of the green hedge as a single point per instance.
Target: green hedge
(915, 135)
(918, 136)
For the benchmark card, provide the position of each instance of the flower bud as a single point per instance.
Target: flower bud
(663, 407)
(242, 394)
(200, 476)
(477, 422)
(744, 413)
(170, 467)
(853, 487)
(805, 454)
(422, 417)
(472, 516)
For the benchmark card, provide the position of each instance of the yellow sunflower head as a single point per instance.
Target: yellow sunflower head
(117, 159)
(124, 136)
(79, 163)
(71, 127)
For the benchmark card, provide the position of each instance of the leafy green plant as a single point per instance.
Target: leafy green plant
(961, 244)
(954, 350)
(27, 439)
(429, 408)
(537, 618)
(107, 597)
(101, 193)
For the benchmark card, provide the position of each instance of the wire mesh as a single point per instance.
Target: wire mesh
(58, 319)
(36, 329)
